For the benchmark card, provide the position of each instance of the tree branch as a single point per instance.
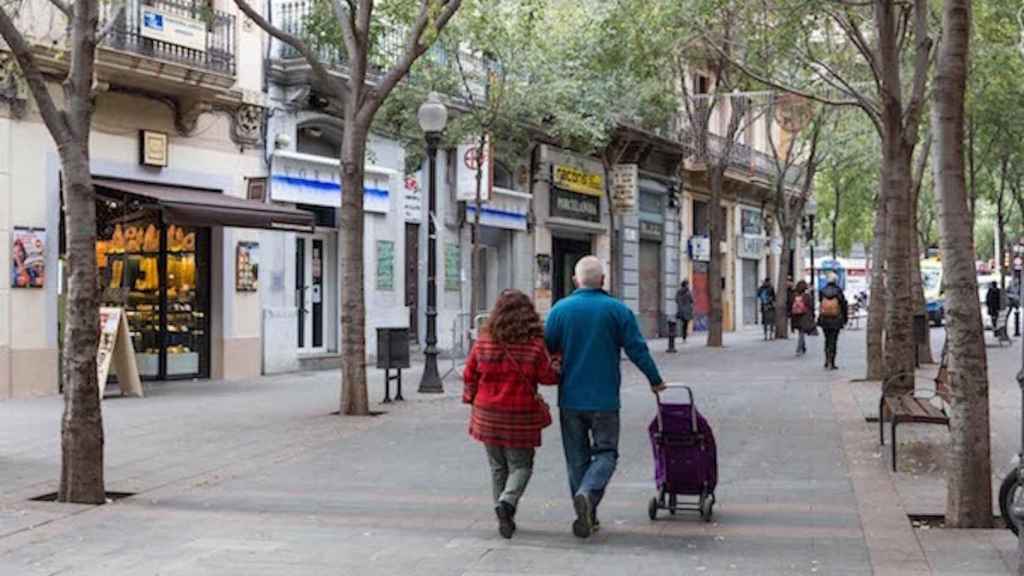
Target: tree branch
(319, 70)
(414, 49)
(783, 87)
(64, 8)
(115, 16)
(346, 14)
(54, 118)
(922, 64)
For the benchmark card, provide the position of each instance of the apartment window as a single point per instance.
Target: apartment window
(700, 84)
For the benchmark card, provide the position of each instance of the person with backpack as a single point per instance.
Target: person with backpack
(801, 315)
(766, 297)
(832, 316)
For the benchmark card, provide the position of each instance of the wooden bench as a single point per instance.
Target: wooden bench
(910, 407)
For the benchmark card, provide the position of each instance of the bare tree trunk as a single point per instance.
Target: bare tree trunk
(924, 349)
(968, 471)
(899, 357)
(81, 479)
(876, 306)
(354, 397)
(717, 235)
(781, 292)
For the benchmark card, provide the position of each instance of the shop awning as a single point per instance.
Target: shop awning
(188, 206)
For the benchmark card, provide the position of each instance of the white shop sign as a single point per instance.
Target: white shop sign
(316, 180)
(508, 209)
(412, 207)
(700, 249)
(167, 27)
(467, 159)
(750, 247)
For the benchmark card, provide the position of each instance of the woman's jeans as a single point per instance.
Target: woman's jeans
(511, 469)
(591, 443)
(684, 325)
(801, 343)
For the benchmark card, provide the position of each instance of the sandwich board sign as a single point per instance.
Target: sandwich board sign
(115, 349)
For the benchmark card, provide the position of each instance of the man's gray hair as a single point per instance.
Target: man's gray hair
(590, 272)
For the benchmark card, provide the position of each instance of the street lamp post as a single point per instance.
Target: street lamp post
(432, 117)
(811, 210)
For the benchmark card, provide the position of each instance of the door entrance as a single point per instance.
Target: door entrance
(412, 278)
(750, 285)
(650, 288)
(309, 292)
(565, 254)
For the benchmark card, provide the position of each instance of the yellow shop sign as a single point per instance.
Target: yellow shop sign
(577, 180)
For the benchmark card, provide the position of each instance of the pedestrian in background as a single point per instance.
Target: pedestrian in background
(802, 315)
(832, 317)
(684, 308)
(503, 371)
(766, 297)
(790, 293)
(993, 301)
(590, 329)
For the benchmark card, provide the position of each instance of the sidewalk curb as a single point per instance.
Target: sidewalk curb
(892, 543)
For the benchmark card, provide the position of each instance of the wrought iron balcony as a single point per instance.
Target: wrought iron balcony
(184, 32)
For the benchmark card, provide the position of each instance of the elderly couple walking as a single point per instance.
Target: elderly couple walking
(577, 349)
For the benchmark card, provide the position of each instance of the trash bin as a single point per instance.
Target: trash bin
(392, 354)
(392, 348)
(920, 328)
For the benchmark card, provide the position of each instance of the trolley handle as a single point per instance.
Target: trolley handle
(693, 407)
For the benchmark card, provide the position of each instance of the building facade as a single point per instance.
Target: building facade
(176, 146)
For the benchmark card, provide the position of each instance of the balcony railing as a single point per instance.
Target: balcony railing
(137, 33)
(387, 47)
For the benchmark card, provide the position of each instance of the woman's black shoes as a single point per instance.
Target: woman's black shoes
(506, 523)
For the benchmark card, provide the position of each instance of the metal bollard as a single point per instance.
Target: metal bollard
(671, 337)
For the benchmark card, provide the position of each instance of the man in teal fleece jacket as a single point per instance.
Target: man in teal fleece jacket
(590, 329)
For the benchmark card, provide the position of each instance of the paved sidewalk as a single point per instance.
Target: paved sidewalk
(258, 477)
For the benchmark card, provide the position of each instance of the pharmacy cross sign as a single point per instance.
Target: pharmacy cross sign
(473, 156)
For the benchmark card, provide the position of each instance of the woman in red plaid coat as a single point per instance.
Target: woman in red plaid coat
(502, 373)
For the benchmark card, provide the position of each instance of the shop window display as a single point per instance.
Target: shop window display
(156, 272)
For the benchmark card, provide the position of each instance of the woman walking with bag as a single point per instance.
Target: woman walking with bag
(503, 370)
(802, 315)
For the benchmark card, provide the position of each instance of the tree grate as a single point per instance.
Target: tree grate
(111, 497)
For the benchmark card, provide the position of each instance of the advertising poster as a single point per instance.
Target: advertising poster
(247, 267)
(385, 265)
(28, 258)
(452, 267)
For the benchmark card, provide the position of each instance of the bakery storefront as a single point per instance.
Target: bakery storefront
(154, 254)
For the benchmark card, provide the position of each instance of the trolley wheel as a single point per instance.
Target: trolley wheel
(652, 509)
(672, 504)
(707, 506)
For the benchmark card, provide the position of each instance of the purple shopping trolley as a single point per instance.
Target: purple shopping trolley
(685, 458)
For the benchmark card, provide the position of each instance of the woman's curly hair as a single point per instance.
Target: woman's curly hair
(514, 319)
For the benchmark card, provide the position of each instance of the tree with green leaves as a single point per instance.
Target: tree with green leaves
(358, 26)
(69, 122)
(874, 56)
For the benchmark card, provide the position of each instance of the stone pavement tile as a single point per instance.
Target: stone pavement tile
(967, 552)
(408, 493)
(891, 541)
